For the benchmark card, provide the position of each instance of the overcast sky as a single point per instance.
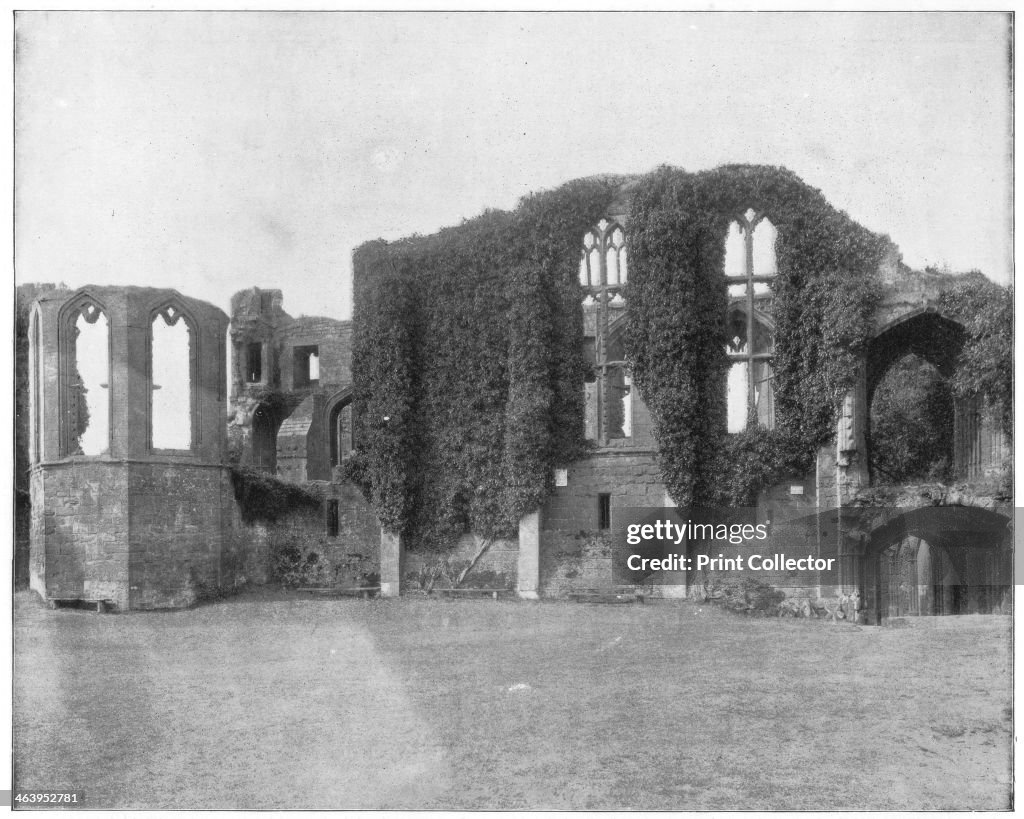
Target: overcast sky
(216, 151)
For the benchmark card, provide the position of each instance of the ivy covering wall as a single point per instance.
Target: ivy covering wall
(825, 293)
(468, 369)
(986, 362)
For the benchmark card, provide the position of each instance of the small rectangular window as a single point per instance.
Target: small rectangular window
(254, 363)
(332, 518)
(306, 366)
(604, 511)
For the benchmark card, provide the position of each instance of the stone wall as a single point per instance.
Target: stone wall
(175, 534)
(495, 569)
(575, 553)
(333, 338)
(575, 561)
(301, 550)
(80, 532)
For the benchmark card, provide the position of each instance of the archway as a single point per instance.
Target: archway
(912, 417)
(938, 560)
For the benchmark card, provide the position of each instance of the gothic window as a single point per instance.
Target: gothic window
(603, 271)
(172, 376)
(603, 257)
(264, 439)
(85, 379)
(750, 264)
(340, 432)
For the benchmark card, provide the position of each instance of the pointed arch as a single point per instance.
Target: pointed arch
(173, 372)
(749, 266)
(83, 350)
(340, 426)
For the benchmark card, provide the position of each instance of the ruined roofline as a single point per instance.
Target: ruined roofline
(274, 314)
(112, 294)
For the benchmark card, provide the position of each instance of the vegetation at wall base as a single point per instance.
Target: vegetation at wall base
(266, 499)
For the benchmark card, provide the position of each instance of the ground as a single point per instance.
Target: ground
(279, 700)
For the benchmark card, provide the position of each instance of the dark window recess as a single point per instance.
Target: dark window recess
(604, 511)
(264, 439)
(254, 364)
(332, 518)
(266, 302)
(340, 433)
(306, 366)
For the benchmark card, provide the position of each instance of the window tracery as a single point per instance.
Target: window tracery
(750, 265)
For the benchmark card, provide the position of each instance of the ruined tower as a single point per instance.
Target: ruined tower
(130, 494)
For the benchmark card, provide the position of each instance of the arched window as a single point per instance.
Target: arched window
(750, 264)
(603, 257)
(604, 271)
(85, 379)
(172, 380)
(340, 431)
(264, 439)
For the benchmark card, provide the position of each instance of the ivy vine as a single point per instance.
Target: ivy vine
(985, 366)
(825, 293)
(267, 499)
(468, 368)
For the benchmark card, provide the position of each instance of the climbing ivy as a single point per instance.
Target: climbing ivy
(264, 498)
(985, 366)
(468, 368)
(825, 292)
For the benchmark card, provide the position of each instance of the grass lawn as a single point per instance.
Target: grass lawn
(278, 700)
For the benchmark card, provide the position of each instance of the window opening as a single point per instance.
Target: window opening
(750, 264)
(171, 369)
(603, 271)
(254, 363)
(604, 511)
(88, 409)
(264, 439)
(333, 517)
(306, 366)
(341, 433)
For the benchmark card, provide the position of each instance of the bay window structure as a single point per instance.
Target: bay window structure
(750, 266)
